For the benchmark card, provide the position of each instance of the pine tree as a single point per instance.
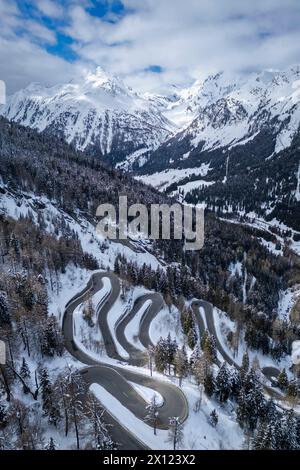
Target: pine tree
(213, 418)
(116, 266)
(209, 384)
(89, 312)
(175, 432)
(181, 364)
(171, 348)
(52, 342)
(204, 339)
(3, 416)
(50, 406)
(245, 365)
(161, 355)
(192, 337)
(194, 356)
(102, 438)
(76, 389)
(24, 370)
(251, 403)
(266, 436)
(46, 389)
(288, 431)
(282, 380)
(209, 347)
(223, 383)
(293, 391)
(4, 311)
(50, 445)
(201, 369)
(152, 413)
(236, 383)
(25, 374)
(269, 412)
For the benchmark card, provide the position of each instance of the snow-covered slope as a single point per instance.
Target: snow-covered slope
(97, 112)
(224, 111)
(258, 113)
(244, 104)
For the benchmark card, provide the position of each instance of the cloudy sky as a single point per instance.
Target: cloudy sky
(150, 43)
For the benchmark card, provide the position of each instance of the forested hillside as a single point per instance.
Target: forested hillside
(242, 271)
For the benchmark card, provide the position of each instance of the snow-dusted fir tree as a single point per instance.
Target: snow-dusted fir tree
(223, 383)
(208, 346)
(245, 364)
(289, 439)
(201, 369)
(152, 413)
(181, 364)
(161, 355)
(172, 347)
(24, 370)
(3, 416)
(176, 435)
(4, 310)
(102, 439)
(213, 418)
(50, 405)
(250, 402)
(283, 380)
(51, 444)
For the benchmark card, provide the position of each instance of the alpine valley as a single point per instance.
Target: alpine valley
(142, 344)
(229, 142)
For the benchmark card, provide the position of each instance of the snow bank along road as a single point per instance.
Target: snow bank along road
(115, 379)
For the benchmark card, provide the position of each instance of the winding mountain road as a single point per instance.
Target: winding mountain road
(269, 372)
(116, 379)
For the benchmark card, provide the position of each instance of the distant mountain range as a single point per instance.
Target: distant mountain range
(204, 142)
(97, 113)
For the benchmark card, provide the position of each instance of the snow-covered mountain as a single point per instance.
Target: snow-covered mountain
(225, 122)
(223, 112)
(97, 112)
(237, 146)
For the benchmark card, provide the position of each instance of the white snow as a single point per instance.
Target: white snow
(223, 325)
(286, 301)
(147, 393)
(198, 432)
(166, 322)
(165, 178)
(132, 329)
(296, 352)
(187, 187)
(90, 337)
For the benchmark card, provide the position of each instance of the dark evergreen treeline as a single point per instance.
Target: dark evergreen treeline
(267, 188)
(74, 181)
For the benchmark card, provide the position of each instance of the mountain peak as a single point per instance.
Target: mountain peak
(101, 79)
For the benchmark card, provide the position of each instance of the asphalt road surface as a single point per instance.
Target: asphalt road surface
(269, 372)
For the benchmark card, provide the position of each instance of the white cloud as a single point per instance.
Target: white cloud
(22, 62)
(49, 8)
(185, 37)
(188, 39)
(40, 32)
